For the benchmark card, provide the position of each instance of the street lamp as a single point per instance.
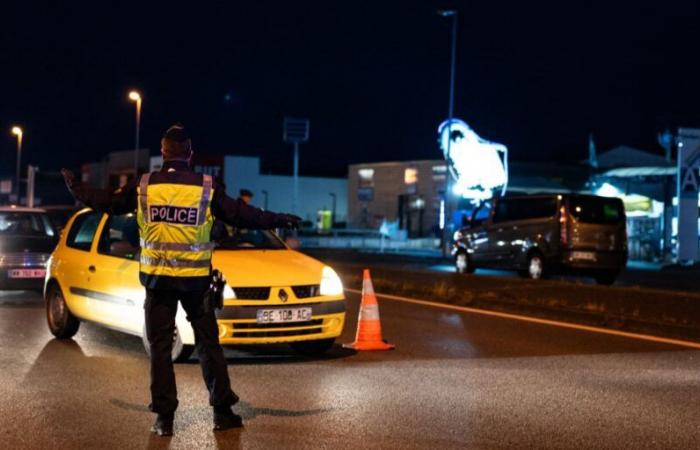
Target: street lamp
(17, 131)
(134, 96)
(450, 112)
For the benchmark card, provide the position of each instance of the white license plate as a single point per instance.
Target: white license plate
(27, 273)
(585, 256)
(284, 315)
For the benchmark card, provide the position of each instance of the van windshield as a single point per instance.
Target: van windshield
(601, 210)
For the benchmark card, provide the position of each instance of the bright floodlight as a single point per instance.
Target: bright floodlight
(135, 96)
(479, 167)
(16, 131)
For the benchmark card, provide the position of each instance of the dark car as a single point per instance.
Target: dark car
(27, 239)
(546, 234)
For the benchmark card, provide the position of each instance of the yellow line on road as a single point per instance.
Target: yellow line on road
(555, 323)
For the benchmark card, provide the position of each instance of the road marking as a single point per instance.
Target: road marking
(555, 323)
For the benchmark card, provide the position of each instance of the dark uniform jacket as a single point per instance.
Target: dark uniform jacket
(234, 212)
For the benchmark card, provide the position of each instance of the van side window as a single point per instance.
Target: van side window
(525, 209)
(83, 230)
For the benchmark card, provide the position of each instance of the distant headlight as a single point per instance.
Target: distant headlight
(330, 282)
(228, 292)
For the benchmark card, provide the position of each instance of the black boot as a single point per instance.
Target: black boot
(163, 425)
(225, 419)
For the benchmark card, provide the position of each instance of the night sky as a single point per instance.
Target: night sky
(371, 76)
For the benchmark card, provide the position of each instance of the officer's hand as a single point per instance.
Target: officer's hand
(68, 177)
(289, 221)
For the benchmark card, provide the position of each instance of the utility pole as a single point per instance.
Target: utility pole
(296, 131)
(444, 238)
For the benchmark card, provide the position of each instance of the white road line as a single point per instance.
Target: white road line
(555, 323)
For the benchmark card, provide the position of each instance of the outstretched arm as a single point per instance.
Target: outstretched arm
(237, 213)
(121, 201)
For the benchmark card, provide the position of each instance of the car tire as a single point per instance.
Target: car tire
(62, 323)
(180, 351)
(535, 269)
(462, 262)
(312, 348)
(606, 278)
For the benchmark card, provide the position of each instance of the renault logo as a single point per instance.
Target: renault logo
(283, 295)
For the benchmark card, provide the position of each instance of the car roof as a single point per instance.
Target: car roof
(15, 208)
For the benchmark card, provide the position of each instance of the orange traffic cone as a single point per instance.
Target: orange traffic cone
(369, 328)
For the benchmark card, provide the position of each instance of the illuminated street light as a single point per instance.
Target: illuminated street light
(17, 131)
(135, 96)
(450, 114)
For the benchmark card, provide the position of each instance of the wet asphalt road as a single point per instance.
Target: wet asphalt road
(455, 380)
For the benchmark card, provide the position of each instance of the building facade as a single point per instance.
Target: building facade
(409, 192)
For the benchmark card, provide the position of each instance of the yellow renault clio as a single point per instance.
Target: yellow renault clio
(274, 294)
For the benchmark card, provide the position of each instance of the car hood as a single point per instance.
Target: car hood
(26, 244)
(267, 267)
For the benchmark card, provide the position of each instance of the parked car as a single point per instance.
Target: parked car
(27, 239)
(546, 234)
(274, 294)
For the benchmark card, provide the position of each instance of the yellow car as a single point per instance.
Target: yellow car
(274, 294)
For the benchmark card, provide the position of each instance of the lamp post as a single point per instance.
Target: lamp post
(450, 115)
(17, 131)
(333, 196)
(135, 96)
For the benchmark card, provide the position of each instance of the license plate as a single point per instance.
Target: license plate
(284, 315)
(585, 256)
(27, 273)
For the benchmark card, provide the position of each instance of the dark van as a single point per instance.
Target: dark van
(546, 234)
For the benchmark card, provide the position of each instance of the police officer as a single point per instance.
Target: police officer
(176, 208)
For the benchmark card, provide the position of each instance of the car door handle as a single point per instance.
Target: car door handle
(92, 269)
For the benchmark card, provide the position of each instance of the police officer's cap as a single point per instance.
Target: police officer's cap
(176, 133)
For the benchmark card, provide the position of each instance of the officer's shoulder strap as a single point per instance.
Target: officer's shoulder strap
(207, 184)
(143, 194)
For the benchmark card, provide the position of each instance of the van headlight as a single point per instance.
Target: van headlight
(229, 292)
(330, 282)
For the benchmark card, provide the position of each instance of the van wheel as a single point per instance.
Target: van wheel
(180, 351)
(312, 348)
(463, 264)
(606, 278)
(62, 323)
(535, 266)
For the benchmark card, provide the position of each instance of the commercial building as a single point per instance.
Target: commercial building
(409, 192)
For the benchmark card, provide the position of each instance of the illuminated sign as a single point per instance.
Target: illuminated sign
(479, 167)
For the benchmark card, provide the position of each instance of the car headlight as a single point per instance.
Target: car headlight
(229, 293)
(330, 282)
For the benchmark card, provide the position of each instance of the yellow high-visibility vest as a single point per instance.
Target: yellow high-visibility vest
(175, 223)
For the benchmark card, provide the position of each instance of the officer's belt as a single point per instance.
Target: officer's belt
(174, 262)
(177, 246)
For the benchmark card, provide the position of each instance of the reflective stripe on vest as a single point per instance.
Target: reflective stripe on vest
(177, 247)
(175, 223)
(174, 263)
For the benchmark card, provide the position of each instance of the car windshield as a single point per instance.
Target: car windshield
(25, 224)
(242, 239)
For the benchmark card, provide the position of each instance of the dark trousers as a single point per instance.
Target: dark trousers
(160, 308)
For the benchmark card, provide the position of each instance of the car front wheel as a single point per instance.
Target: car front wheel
(535, 267)
(62, 323)
(179, 353)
